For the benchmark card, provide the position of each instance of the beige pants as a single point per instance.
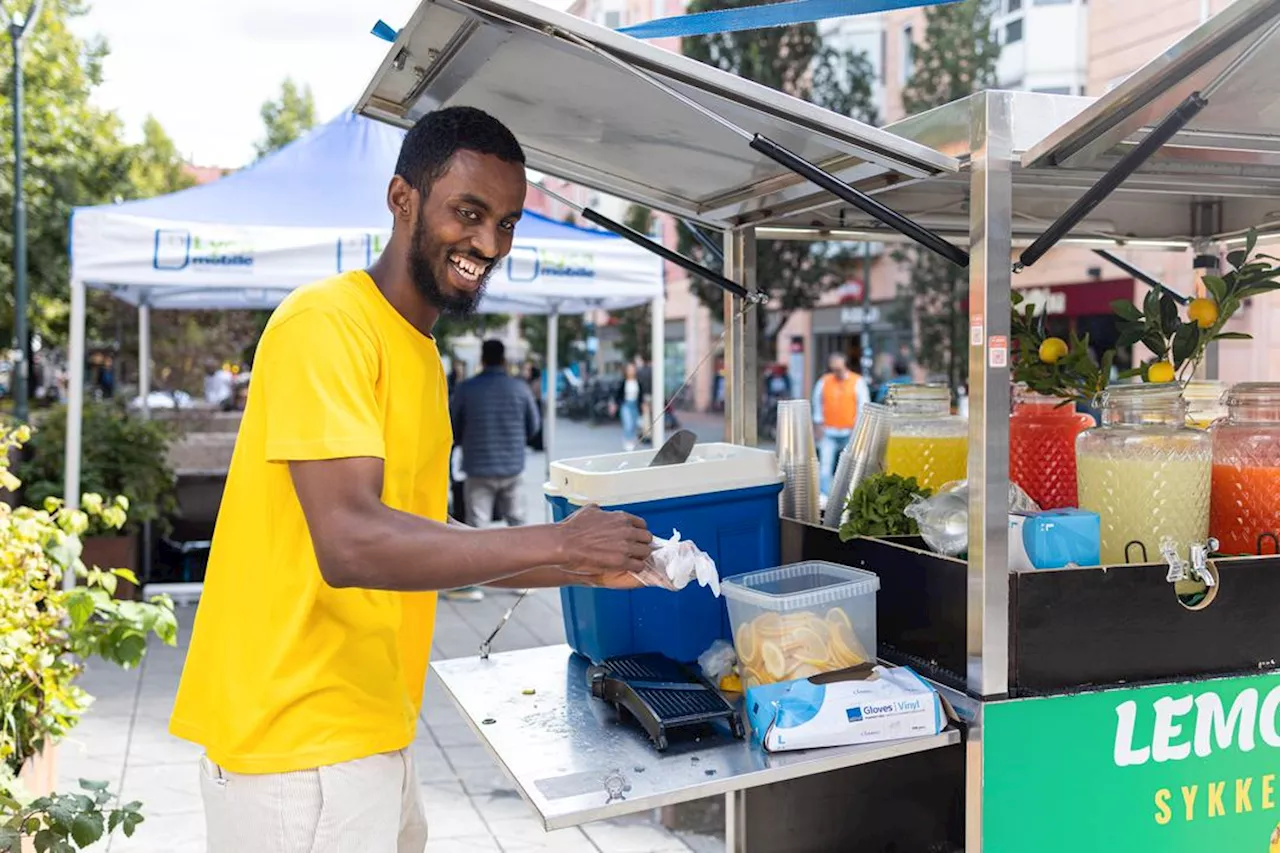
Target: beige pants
(372, 805)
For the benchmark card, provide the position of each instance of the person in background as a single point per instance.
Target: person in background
(901, 376)
(494, 418)
(217, 385)
(533, 375)
(836, 398)
(630, 400)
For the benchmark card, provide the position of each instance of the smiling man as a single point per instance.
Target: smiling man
(308, 658)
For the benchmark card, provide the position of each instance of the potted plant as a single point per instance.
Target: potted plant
(47, 631)
(122, 454)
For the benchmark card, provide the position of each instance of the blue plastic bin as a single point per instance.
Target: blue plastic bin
(724, 499)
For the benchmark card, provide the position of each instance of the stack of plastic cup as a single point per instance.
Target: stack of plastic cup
(798, 460)
(863, 457)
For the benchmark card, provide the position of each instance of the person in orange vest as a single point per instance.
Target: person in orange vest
(836, 398)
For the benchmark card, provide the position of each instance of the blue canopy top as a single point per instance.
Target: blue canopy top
(335, 176)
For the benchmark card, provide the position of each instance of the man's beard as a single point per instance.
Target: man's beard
(458, 303)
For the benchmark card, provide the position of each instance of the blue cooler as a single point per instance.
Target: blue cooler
(724, 499)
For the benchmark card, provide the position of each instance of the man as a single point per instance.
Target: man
(494, 416)
(308, 657)
(836, 398)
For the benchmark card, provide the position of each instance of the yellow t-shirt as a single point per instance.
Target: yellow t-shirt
(285, 672)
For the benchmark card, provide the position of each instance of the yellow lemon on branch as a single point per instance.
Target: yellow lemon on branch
(1053, 350)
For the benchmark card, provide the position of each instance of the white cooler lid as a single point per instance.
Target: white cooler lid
(624, 478)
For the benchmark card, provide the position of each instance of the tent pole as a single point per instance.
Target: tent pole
(657, 394)
(553, 369)
(75, 405)
(144, 386)
(144, 357)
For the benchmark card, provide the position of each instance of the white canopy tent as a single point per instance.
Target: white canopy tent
(311, 210)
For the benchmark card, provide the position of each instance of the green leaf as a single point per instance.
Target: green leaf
(1256, 290)
(44, 840)
(126, 574)
(9, 839)
(1169, 318)
(1185, 343)
(1157, 343)
(87, 828)
(1232, 336)
(1237, 258)
(1151, 306)
(131, 821)
(94, 785)
(1251, 242)
(1126, 310)
(1216, 286)
(79, 606)
(1129, 336)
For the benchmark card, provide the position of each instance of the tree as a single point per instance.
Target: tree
(793, 60)
(287, 117)
(74, 156)
(156, 167)
(572, 331)
(635, 325)
(957, 58)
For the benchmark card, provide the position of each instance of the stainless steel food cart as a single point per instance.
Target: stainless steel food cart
(1185, 153)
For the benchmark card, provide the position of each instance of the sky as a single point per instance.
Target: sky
(204, 67)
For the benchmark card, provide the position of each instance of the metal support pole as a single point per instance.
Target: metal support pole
(657, 371)
(21, 383)
(144, 388)
(553, 378)
(991, 214)
(75, 404)
(144, 357)
(741, 392)
(18, 27)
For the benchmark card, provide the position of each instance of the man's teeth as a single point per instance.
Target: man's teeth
(469, 269)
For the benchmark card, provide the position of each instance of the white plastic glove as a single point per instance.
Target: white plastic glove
(674, 563)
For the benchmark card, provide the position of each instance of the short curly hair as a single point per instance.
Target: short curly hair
(431, 143)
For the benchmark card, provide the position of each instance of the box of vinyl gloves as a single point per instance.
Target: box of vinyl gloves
(854, 706)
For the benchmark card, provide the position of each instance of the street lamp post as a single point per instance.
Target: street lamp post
(18, 27)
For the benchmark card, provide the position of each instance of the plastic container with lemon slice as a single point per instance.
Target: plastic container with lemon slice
(800, 620)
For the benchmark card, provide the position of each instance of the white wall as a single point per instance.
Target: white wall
(1051, 54)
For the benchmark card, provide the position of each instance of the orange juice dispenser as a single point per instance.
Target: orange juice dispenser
(1245, 503)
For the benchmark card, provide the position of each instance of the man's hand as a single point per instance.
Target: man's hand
(603, 544)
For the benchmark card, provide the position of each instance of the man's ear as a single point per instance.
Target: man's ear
(401, 199)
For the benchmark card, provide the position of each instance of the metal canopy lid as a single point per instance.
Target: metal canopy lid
(1231, 60)
(570, 92)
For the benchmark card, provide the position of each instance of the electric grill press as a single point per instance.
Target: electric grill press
(660, 695)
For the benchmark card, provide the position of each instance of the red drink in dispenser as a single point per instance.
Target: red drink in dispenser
(1042, 448)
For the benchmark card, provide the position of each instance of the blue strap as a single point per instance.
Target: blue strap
(747, 18)
(766, 15)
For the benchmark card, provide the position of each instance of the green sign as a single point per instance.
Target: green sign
(1176, 768)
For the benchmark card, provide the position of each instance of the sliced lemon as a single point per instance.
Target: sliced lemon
(836, 615)
(744, 642)
(803, 670)
(768, 625)
(845, 647)
(775, 662)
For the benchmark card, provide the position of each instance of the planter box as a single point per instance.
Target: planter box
(40, 776)
(114, 552)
